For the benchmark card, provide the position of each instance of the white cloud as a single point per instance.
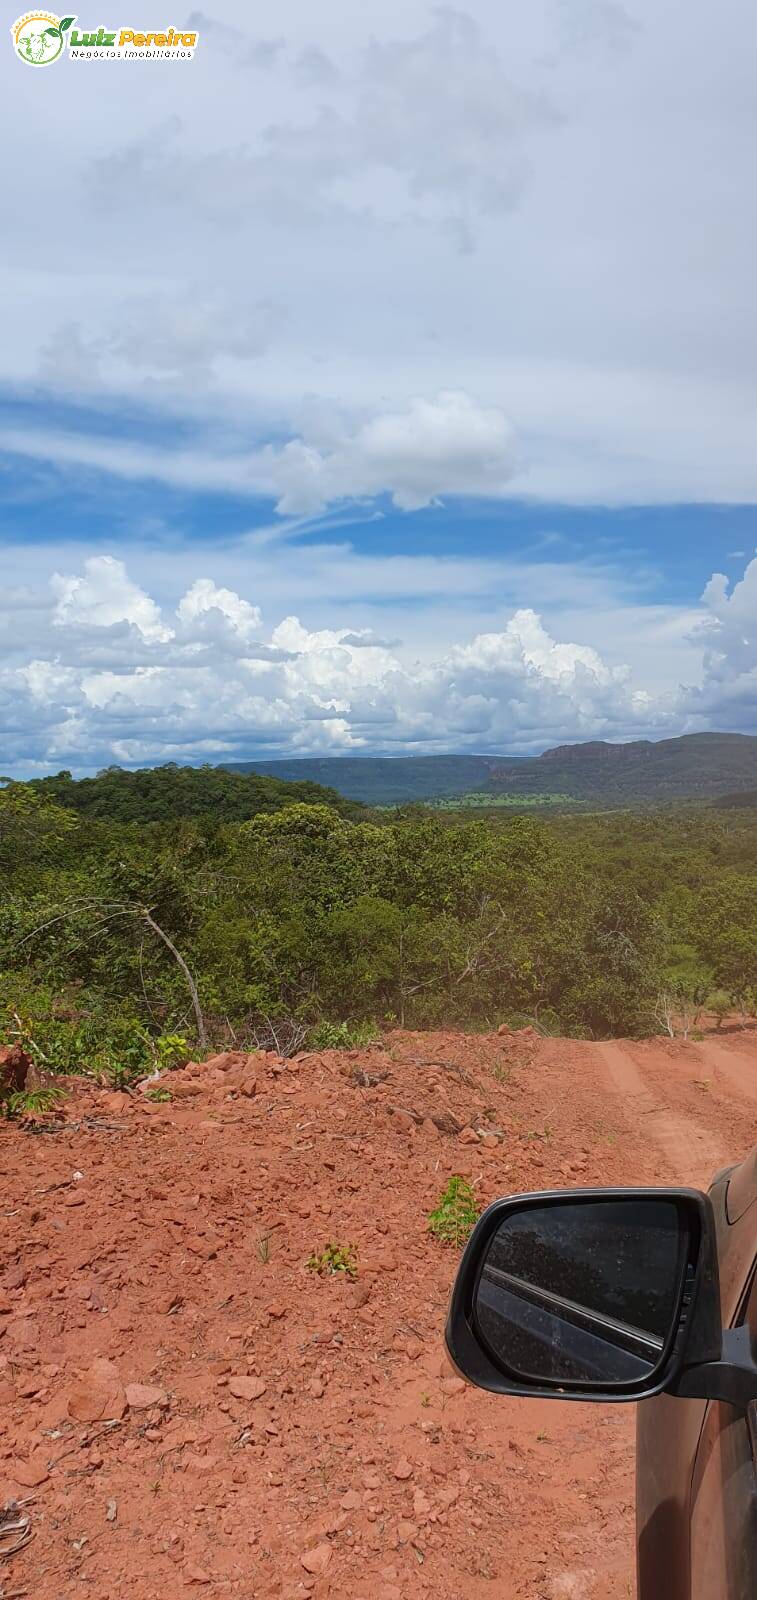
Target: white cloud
(204, 597)
(121, 677)
(104, 595)
(286, 219)
(447, 445)
(728, 694)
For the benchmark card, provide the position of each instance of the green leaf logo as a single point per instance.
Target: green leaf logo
(66, 23)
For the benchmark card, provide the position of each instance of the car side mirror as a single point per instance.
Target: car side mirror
(604, 1294)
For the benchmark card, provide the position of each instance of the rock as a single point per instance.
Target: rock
(115, 1102)
(403, 1469)
(14, 1065)
(201, 1465)
(421, 1505)
(185, 1088)
(452, 1386)
(317, 1559)
(193, 1574)
(247, 1388)
(169, 1302)
(406, 1531)
(143, 1396)
(468, 1136)
(73, 1198)
(98, 1395)
(29, 1474)
(503, 1029)
(403, 1121)
(356, 1295)
(316, 1389)
(350, 1501)
(225, 1061)
(199, 1246)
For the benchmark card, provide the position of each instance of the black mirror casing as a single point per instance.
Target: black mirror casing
(695, 1334)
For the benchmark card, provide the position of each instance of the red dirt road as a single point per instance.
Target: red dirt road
(193, 1411)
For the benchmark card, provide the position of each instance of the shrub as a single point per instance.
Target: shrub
(720, 1003)
(332, 1259)
(342, 1035)
(28, 1102)
(454, 1217)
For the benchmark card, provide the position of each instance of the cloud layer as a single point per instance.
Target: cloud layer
(453, 228)
(102, 673)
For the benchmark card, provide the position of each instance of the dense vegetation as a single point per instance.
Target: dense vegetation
(641, 773)
(160, 794)
(485, 800)
(123, 942)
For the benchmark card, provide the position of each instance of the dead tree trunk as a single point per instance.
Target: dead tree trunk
(191, 985)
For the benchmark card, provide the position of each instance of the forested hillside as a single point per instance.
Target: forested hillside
(117, 937)
(640, 773)
(160, 794)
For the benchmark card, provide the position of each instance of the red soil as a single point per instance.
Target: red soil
(191, 1409)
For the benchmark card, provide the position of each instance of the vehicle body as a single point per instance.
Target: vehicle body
(636, 1294)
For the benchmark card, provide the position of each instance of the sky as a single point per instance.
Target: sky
(383, 380)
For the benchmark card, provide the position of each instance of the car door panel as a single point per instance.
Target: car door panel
(689, 1453)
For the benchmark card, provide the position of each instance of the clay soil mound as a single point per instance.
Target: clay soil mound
(187, 1406)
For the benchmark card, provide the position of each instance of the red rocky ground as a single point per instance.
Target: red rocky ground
(188, 1408)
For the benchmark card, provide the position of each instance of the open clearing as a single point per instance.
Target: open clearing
(192, 1410)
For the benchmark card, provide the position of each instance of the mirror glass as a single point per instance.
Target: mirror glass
(583, 1291)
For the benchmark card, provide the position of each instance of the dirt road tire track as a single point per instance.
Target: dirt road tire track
(733, 1069)
(689, 1153)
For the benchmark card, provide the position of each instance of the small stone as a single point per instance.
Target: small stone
(111, 1511)
(357, 1295)
(403, 1469)
(247, 1388)
(406, 1531)
(468, 1136)
(30, 1474)
(98, 1394)
(316, 1560)
(452, 1386)
(316, 1389)
(193, 1574)
(143, 1396)
(350, 1501)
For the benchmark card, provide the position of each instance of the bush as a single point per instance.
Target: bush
(342, 1036)
(455, 1216)
(334, 1259)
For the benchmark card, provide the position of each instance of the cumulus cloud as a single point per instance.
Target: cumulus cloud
(105, 594)
(120, 677)
(728, 631)
(450, 444)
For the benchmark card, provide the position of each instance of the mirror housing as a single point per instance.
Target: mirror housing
(500, 1308)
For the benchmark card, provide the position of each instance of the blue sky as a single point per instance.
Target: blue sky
(382, 380)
